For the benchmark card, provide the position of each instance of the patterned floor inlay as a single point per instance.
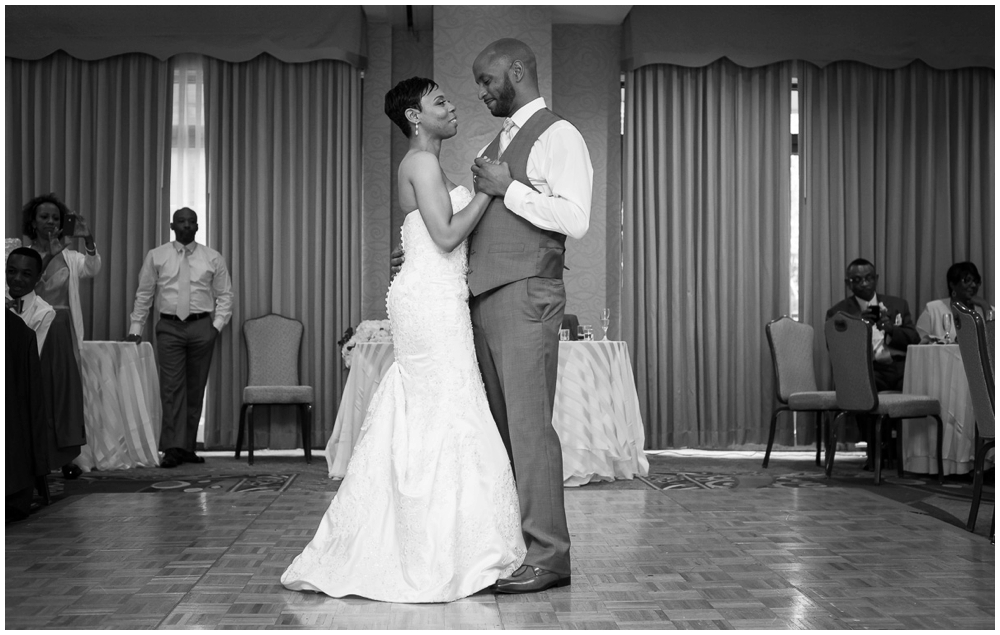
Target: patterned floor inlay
(727, 558)
(138, 481)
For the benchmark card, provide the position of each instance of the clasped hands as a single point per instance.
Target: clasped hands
(490, 177)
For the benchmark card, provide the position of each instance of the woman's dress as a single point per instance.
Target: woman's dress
(428, 510)
(60, 358)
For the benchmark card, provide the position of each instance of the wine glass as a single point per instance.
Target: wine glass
(605, 322)
(947, 327)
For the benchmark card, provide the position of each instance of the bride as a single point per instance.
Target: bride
(428, 509)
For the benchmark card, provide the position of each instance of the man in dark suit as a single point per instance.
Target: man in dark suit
(891, 316)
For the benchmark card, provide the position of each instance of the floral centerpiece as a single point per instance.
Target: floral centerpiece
(367, 331)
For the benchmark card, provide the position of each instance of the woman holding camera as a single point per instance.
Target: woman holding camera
(49, 228)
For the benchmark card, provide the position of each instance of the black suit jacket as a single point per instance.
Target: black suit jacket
(900, 335)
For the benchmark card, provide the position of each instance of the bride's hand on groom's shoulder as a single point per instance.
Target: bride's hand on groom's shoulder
(491, 178)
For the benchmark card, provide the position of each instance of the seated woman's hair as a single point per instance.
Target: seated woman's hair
(958, 272)
(31, 208)
(406, 94)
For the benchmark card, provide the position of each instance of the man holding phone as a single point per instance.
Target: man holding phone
(893, 331)
(195, 298)
(889, 315)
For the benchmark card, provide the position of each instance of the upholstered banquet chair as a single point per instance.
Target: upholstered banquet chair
(273, 342)
(978, 365)
(791, 346)
(849, 341)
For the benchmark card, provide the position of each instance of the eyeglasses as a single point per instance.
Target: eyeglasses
(969, 279)
(863, 279)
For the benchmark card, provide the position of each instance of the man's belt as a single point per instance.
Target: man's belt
(190, 318)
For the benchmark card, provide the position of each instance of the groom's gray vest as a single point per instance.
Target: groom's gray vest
(504, 247)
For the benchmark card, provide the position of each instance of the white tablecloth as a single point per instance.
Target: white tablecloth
(122, 411)
(596, 411)
(936, 370)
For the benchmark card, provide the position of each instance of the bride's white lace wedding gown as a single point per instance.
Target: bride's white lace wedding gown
(428, 510)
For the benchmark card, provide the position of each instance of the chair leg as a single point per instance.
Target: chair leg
(820, 421)
(770, 436)
(940, 449)
(307, 431)
(831, 444)
(239, 430)
(250, 434)
(877, 461)
(982, 449)
(42, 485)
(899, 447)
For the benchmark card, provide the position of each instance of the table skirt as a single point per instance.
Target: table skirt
(596, 411)
(936, 370)
(122, 410)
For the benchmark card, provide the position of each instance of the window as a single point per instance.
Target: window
(187, 147)
(793, 269)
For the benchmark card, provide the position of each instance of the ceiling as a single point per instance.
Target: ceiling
(422, 15)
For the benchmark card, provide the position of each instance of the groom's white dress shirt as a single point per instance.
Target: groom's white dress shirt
(559, 168)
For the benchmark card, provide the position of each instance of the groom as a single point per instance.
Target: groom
(539, 172)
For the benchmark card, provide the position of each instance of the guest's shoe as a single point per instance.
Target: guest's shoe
(528, 579)
(189, 457)
(71, 471)
(171, 458)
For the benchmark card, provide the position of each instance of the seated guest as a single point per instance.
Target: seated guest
(892, 332)
(50, 228)
(24, 269)
(893, 329)
(25, 419)
(963, 285)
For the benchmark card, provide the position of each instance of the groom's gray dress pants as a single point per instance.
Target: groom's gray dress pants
(516, 329)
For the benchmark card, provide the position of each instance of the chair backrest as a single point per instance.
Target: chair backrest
(978, 366)
(849, 342)
(571, 322)
(273, 343)
(791, 346)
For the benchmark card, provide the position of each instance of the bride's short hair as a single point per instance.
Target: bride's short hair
(406, 94)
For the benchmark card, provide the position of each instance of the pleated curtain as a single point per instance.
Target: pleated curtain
(284, 186)
(897, 167)
(97, 133)
(706, 188)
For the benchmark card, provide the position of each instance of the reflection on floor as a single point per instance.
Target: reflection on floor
(746, 558)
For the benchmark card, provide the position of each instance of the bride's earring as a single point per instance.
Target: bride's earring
(416, 131)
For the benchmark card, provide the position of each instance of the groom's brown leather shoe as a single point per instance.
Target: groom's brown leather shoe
(528, 579)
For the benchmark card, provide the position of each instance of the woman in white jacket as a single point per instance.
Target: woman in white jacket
(46, 219)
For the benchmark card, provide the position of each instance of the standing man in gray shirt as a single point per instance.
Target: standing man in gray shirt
(194, 296)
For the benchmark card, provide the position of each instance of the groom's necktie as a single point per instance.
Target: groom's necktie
(184, 286)
(506, 133)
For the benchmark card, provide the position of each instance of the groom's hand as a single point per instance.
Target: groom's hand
(396, 261)
(491, 178)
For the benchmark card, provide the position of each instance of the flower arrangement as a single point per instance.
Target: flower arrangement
(367, 331)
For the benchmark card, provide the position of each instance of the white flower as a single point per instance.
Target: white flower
(367, 331)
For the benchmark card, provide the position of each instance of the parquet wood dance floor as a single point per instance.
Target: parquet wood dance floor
(642, 559)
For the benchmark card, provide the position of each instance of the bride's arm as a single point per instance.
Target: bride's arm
(447, 230)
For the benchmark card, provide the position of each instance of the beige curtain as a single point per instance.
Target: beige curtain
(706, 253)
(284, 187)
(897, 167)
(98, 135)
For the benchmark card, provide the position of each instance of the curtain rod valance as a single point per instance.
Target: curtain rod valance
(943, 37)
(230, 33)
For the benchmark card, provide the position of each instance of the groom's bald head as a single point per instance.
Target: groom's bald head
(507, 75)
